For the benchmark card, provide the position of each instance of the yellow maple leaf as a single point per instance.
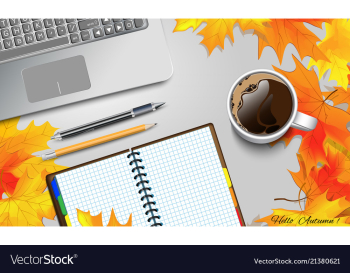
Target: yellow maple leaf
(216, 30)
(320, 212)
(28, 204)
(32, 139)
(184, 24)
(87, 220)
(35, 165)
(336, 47)
(23, 176)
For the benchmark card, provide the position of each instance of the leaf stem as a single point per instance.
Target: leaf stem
(285, 199)
(330, 94)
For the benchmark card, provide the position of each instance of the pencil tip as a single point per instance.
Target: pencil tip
(149, 125)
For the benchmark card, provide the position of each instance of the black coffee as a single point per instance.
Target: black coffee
(262, 104)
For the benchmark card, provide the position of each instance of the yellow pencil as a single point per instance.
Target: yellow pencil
(96, 141)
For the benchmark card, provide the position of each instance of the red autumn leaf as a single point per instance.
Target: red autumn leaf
(8, 183)
(337, 190)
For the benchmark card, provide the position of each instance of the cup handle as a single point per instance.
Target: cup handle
(304, 122)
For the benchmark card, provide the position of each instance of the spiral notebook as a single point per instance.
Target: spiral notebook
(181, 180)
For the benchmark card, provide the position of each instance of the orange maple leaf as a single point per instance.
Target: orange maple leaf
(87, 220)
(325, 178)
(11, 161)
(339, 96)
(278, 33)
(113, 222)
(306, 182)
(332, 120)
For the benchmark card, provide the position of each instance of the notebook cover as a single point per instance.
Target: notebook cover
(61, 217)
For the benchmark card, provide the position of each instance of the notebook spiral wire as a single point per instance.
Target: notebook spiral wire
(145, 190)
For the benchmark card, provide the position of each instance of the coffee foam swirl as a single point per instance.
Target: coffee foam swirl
(262, 104)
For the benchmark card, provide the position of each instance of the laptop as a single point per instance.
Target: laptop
(46, 63)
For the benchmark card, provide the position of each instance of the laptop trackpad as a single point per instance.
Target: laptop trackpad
(56, 79)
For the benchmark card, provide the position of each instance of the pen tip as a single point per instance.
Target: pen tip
(158, 104)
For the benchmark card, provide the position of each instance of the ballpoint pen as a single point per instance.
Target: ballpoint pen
(88, 127)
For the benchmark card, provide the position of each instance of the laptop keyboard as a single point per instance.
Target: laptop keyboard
(20, 38)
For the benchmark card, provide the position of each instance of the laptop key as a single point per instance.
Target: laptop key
(37, 25)
(109, 30)
(119, 27)
(75, 38)
(128, 24)
(19, 41)
(29, 38)
(3, 23)
(16, 31)
(72, 28)
(106, 21)
(24, 50)
(23, 32)
(97, 32)
(48, 23)
(61, 30)
(50, 33)
(85, 35)
(39, 36)
(5, 33)
(138, 23)
(59, 22)
(14, 22)
(27, 28)
(8, 44)
(87, 24)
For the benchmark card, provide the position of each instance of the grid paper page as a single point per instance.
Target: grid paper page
(188, 182)
(102, 186)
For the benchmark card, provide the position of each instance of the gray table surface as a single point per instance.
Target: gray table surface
(195, 95)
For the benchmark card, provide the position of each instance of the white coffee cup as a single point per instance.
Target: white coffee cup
(296, 120)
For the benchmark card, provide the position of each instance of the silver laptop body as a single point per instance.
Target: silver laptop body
(85, 71)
